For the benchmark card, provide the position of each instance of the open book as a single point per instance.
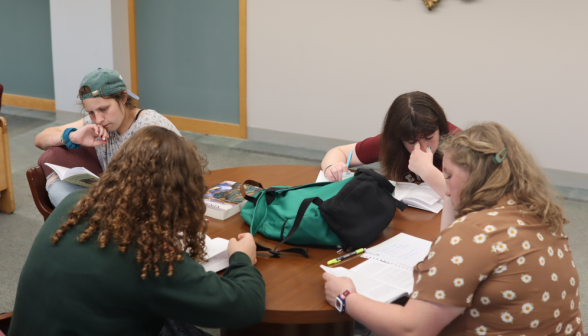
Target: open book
(377, 280)
(387, 275)
(216, 252)
(78, 175)
(418, 196)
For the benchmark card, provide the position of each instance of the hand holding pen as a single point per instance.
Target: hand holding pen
(334, 171)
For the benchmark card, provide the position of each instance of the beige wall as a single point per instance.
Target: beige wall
(331, 68)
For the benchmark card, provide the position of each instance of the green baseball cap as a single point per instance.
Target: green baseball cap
(104, 82)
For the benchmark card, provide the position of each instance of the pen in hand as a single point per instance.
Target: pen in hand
(349, 158)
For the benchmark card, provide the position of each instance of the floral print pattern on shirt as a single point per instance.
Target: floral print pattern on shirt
(146, 118)
(508, 271)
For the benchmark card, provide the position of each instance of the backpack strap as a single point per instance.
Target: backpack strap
(301, 211)
(297, 250)
(269, 195)
(242, 189)
(399, 204)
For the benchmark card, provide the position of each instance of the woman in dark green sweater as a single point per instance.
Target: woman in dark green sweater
(123, 257)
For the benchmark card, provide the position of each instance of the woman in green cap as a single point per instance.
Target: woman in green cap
(112, 119)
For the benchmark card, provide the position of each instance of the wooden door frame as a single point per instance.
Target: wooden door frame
(199, 125)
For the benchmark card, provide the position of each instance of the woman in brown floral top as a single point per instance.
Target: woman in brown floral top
(503, 267)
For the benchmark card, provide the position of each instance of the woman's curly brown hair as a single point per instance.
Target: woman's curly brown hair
(151, 197)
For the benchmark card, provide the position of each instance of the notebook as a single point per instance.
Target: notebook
(387, 274)
(418, 196)
(402, 250)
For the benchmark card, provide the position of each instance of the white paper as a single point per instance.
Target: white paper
(387, 273)
(367, 286)
(216, 252)
(418, 196)
(402, 249)
(421, 192)
(217, 263)
(215, 246)
(322, 178)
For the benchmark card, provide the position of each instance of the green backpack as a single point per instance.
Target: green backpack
(272, 214)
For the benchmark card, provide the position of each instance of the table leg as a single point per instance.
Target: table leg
(274, 329)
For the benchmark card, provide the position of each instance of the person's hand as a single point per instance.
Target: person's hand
(245, 244)
(334, 286)
(421, 162)
(87, 135)
(335, 171)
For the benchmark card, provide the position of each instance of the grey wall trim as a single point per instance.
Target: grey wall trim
(566, 178)
(66, 117)
(294, 139)
(572, 185)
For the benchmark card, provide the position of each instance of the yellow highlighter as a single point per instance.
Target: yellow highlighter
(348, 255)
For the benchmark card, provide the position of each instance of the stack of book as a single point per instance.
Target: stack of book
(225, 200)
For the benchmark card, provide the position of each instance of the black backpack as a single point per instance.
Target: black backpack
(357, 214)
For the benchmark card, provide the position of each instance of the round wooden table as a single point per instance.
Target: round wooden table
(295, 299)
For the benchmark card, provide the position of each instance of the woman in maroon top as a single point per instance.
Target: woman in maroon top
(407, 146)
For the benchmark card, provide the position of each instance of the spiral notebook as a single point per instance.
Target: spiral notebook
(402, 250)
(387, 275)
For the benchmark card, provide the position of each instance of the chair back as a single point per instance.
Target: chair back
(1, 91)
(37, 181)
(5, 323)
(70, 158)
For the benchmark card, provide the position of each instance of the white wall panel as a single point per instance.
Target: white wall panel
(331, 68)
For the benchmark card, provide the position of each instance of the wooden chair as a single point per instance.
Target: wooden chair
(6, 317)
(37, 181)
(69, 158)
(5, 323)
(6, 187)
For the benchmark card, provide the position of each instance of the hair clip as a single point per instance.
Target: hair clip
(498, 158)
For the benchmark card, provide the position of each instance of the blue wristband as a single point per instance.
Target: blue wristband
(65, 137)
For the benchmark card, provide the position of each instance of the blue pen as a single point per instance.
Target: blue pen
(349, 158)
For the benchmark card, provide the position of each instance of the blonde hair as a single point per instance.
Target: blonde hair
(517, 175)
